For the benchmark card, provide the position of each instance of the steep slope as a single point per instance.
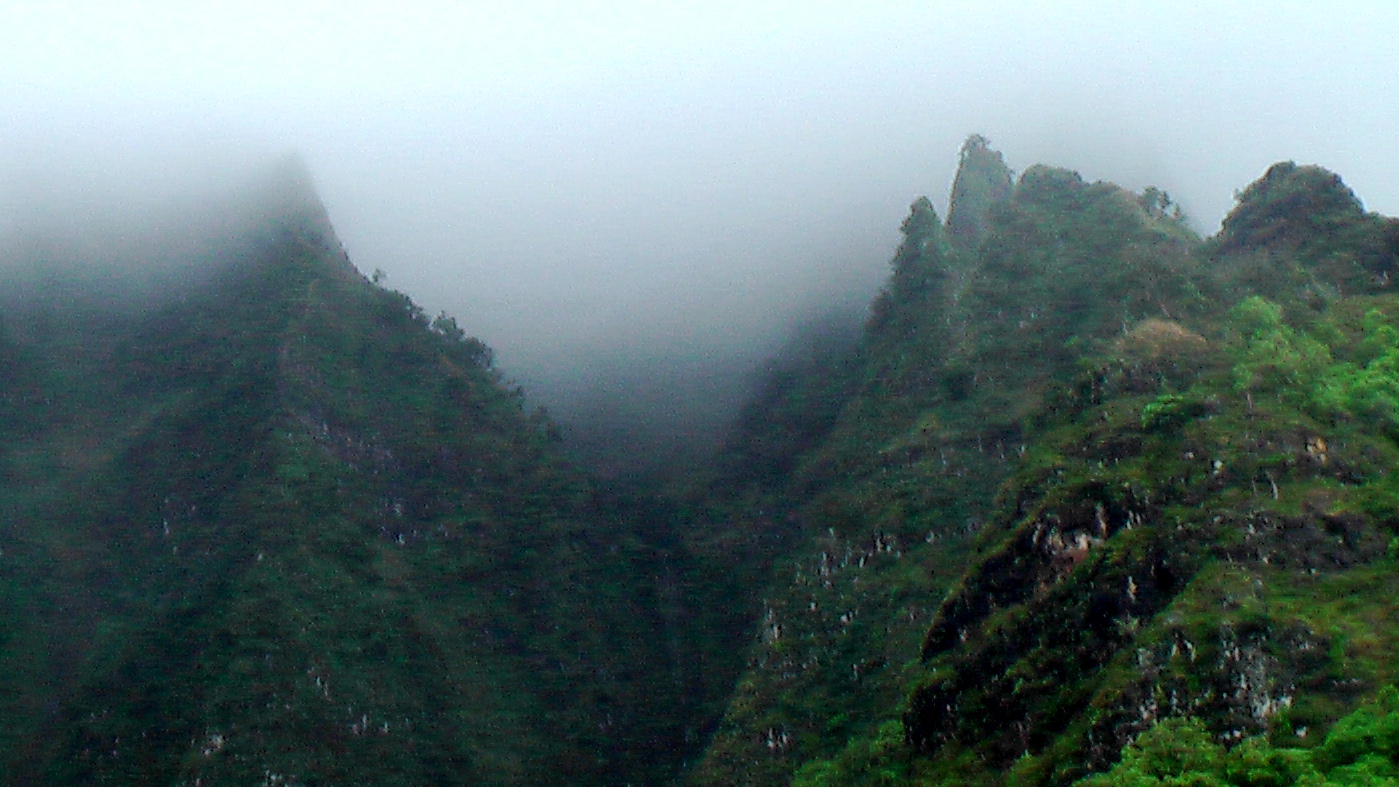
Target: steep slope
(286, 529)
(882, 508)
(1200, 526)
(1079, 477)
(1081, 472)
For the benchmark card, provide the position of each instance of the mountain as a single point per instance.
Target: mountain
(1087, 496)
(281, 527)
(1083, 472)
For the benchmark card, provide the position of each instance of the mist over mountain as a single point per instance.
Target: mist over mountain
(279, 524)
(776, 394)
(1081, 461)
(141, 230)
(576, 181)
(1077, 481)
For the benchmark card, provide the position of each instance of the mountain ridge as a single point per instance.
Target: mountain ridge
(1079, 300)
(1082, 471)
(324, 510)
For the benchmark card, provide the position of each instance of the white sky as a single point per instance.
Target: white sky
(682, 177)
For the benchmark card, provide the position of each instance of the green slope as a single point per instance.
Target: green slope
(286, 529)
(1081, 472)
(1065, 487)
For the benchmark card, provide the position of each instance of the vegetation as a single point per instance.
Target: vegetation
(287, 529)
(983, 182)
(1362, 748)
(1193, 503)
(1087, 500)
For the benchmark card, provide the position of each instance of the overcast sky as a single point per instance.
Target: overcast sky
(679, 177)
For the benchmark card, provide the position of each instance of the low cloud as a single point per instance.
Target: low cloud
(592, 186)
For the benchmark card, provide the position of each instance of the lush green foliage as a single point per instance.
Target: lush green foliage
(1361, 749)
(1300, 235)
(1367, 388)
(1278, 359)
(893, 491)
(1275, 357)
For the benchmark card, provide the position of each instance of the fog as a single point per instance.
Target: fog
(601, 186)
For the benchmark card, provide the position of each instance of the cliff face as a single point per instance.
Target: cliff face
(1104, 484)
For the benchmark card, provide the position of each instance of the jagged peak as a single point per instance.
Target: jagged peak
(922, 252)
(983, 180)
(1287, 177)
(922, 224)
(1066, 188)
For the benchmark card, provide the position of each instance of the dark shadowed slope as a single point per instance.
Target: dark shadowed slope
(286, 527)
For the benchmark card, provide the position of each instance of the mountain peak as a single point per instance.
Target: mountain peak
(983, 181)
(1283, 206)
(290, 184)
(284, 196)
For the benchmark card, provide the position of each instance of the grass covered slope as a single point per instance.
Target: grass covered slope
(287, 529)
(1100, 484)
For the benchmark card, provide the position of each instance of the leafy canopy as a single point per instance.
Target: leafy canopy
(1362, 749)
